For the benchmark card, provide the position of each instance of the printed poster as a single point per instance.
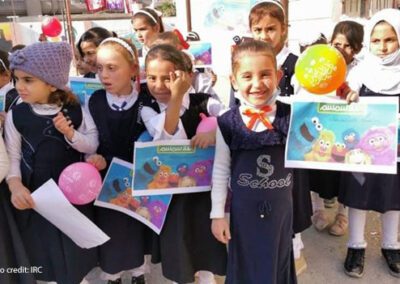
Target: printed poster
(2, 101)
(202, 53)
(116, 193)
(334, 135)
(83, 88)
(171, 167)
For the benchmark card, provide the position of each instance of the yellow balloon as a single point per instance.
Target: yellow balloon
(320, 69)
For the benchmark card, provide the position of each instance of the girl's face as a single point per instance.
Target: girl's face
(31, 89)
(89, 50)
(384, 40)
(256, 78)
(115, 71)
(81, 65)
(145, 33)
(271, 30)
(341, 43)
(158, 79)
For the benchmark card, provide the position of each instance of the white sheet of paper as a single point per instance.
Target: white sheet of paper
(51, 203)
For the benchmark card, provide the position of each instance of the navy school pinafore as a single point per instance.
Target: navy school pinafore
(260, 250)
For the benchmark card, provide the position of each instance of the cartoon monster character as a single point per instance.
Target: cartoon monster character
(145, 174)
(303, 134)
(124, 196)
(144, 212)
(339, 152)
(156, 209)
(173, 180)
(351, 138)
(322, 148)
(182, 169)
(201, 171)
(357, 157)
(377, 142)
(161, 178)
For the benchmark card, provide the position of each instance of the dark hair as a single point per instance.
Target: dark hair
(353, 31)
(149, 20)
(17, 47)
(320, 40)
(61, 97)
(192, 36)
(94, 35)
(168, 53)
(167, 38)
(4, 64)
(252, 46)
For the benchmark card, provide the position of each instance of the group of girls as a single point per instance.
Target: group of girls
(270, 204)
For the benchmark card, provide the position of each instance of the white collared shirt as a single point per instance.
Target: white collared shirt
(155, 121)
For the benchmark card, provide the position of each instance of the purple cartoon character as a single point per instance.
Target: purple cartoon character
(201, 171)
(377, 142)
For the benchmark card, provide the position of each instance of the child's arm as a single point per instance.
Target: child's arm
(20, 195)
(155, 122)
(85, 138)
(180, 82)
(4, 163)
(220, 177)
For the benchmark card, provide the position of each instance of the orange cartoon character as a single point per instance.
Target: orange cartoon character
(161, 178)
(321, 150)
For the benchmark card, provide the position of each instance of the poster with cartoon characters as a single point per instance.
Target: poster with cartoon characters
(330, 134)
(83, 88)
(171, 167)
(116, 193)
(202, 53)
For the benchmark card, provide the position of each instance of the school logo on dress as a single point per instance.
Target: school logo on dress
(262, 179)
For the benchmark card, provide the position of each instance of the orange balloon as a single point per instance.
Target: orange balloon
(320, 69)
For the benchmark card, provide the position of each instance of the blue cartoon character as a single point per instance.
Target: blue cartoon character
(124, 196)
(350, 138)
(302, 137)
(145, 174)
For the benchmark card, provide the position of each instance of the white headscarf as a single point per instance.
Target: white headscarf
(382, 75)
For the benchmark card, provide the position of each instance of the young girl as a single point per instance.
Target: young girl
(250, 152)
(147, 24)
(87, 46)
(44, 134)
(377, 75)
(186, 245)
(116, 113)
(347, 37)
(267, 23)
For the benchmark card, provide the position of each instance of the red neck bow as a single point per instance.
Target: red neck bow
(258, 114)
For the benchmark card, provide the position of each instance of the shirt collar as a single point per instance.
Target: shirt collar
(281, 56)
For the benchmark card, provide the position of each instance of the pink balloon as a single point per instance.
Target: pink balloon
(51, 26)
(207, 123)
(80, 182)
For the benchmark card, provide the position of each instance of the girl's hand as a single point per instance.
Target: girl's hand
(3, 115)
(180, 83)
(203, 140)
(344, 92)
(220, 230)
(352, 96)
(98, 161)
(64, 125)
(20, 196)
